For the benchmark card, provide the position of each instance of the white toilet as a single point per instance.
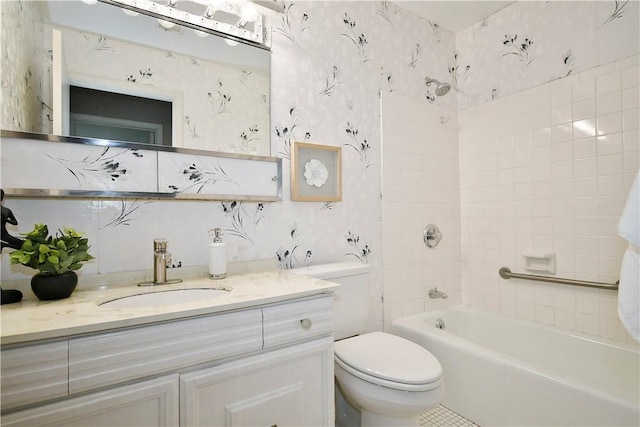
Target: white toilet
(391, 380)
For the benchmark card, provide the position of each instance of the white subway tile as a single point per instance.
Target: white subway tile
(588, 302)
(630, 77)
(544, 314)
(561, 114)
(562, 95)
(609, 144)
(584, 148)
(584, 128)
(610, 205)
(586, 187)
(584, 109)
(610, 165)
(631, 140)
(610, 82)
(584, 89)
(564, 298)
(561, 133)
(562, 151)
(609, 123)
(631, 165)
(631, 119)
(541, 137)
(586, 226)
(565, 319)
(631, 98)
(609, 103)
(610, 185)
(525, 310)
(587, 324)
(586, 206)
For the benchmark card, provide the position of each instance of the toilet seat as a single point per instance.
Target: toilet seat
(389, 361)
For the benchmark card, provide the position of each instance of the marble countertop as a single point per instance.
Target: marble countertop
(34, 320)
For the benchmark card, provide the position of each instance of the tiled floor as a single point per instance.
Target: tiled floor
(441, 416)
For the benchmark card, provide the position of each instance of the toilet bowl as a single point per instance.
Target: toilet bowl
(391, 380)
(388, 379)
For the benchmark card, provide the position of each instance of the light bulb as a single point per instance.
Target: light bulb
(231, 42)
(166, 24)
(248, 13)
(90, 2)
(211, 10)
(130, 12)
(200, 33)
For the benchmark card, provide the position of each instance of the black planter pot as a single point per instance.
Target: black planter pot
(52, 287)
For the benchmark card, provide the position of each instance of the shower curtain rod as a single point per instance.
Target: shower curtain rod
(506, 273)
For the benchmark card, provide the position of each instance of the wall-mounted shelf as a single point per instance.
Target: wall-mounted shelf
(48, 166)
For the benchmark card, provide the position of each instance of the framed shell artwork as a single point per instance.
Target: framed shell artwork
(316, 173)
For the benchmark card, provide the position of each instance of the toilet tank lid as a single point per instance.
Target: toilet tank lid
(333, 270)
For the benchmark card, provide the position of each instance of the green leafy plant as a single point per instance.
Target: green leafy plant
(52, 255)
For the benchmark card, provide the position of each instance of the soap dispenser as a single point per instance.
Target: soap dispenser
(217, 256)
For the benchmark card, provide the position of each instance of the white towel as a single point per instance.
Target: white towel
(629, 288)
(629, 224)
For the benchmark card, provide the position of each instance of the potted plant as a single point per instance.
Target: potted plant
(55, 257)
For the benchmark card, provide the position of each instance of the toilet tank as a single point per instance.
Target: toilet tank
(351, 299)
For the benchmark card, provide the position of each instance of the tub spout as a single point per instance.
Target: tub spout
(435, 293)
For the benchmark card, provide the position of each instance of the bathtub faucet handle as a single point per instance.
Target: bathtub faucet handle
(435, 293)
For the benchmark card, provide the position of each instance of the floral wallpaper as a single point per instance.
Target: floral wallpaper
(530, 43)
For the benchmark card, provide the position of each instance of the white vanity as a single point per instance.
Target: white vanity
(262, 354)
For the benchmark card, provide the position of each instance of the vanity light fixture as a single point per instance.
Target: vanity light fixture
(237, 20)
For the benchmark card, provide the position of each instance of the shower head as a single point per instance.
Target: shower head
(441, 88)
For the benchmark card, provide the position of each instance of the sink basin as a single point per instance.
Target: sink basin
(170, 296)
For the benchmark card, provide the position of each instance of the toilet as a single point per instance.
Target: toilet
(385, 379)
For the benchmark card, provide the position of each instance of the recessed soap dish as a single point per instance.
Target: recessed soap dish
(544, 262)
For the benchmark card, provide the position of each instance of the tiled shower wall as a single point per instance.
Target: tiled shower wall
(420, 184)
(548, 170)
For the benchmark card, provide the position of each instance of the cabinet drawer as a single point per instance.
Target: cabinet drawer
(34, 373)
(111, 358)
(297, 321)
(147, 403)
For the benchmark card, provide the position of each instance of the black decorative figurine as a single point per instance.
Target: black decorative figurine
(9, 241)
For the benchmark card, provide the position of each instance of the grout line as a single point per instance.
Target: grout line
(442, 416)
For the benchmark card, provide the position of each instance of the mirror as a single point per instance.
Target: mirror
(218, 91)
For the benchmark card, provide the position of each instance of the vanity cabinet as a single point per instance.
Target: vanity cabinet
(269, 365)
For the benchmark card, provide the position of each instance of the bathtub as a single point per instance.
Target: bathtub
(500, 371)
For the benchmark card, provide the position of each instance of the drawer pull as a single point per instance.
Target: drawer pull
(306, 323)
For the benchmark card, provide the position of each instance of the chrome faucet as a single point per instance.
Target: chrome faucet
(161, 258)
(435, 293)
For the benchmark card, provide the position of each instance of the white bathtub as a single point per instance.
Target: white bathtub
(500, 371)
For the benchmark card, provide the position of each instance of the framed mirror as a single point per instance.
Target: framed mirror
(106, 72)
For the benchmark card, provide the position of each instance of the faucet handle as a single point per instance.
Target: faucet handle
(160, 245)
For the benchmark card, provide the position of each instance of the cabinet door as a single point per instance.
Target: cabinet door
(287, 387)
(147, 403)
